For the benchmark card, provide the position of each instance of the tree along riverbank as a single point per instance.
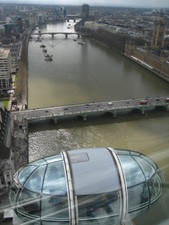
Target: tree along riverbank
(115, 41)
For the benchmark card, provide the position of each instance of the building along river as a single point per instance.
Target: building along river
(82, 73)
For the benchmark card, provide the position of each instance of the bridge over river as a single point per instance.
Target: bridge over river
(55, 33)
(91, 109)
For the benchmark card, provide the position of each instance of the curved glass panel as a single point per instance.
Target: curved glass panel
(132, 171)
(134, 153)
(99, 206)
(38, 162)
(55, 181)
(34, 182)
(147, 168)
(139, 212)
(23, 220)
(24, 173)
(28, 202)
(12, 194)
(60, 222)
(55, 208)
(138, 197)
(53, 158)
(122, 152)
(108, 220)
(145, 194)
(149, 160)
(155, 187)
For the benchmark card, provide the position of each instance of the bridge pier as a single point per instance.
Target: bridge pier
(52, 35)
(142, 111)
(114, 113)
(84, 117)
(78, 36)
(66, 35)
(55, 120)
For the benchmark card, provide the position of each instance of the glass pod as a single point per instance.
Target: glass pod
(85, 186)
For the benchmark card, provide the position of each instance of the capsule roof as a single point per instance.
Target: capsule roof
(91, 172)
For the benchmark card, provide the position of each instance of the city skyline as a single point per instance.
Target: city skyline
(121, 3)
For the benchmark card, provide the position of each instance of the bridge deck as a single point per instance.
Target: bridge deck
(91, 108)
(53, 33)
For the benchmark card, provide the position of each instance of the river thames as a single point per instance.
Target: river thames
(93, 72)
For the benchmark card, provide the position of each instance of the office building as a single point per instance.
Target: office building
(85, 12)
(5, 67)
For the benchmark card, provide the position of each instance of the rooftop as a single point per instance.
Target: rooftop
(4, 53)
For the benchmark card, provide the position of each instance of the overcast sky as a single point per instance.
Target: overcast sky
(136, 3)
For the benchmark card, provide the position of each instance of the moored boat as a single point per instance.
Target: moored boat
(44, 50)
(48, 57)
(81, 43)
(43, 46)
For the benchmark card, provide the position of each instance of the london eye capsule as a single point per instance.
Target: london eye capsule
(85, 186)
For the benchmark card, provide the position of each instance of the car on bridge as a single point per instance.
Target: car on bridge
(167, 100)
(144, 102)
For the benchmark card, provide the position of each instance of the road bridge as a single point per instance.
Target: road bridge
(91, 109)
(73, 17)
(55, 33)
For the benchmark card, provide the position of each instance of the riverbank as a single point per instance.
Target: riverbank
(117, 43)
(22, 80)
(146, 66)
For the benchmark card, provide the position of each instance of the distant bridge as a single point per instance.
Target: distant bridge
(94, 108)
(55, 33)
(73, 17)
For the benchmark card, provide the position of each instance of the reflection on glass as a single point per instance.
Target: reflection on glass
(132, 171)
(97, 206)
(155, 187)
(29, 202)
(25, 173)
(55, 207)
(148, 170)
(34, 182)
(55, 172)
(143, 182)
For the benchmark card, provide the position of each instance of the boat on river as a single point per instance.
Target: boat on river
(44, 50)
(81, 43)
(38, 39)
(42, 46)
(48, 57)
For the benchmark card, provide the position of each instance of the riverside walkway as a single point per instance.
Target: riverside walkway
(91, 109)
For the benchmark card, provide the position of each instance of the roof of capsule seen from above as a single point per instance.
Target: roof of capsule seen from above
(57, 187)
(94, 171)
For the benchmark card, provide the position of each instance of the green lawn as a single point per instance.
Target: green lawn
(6, 103)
